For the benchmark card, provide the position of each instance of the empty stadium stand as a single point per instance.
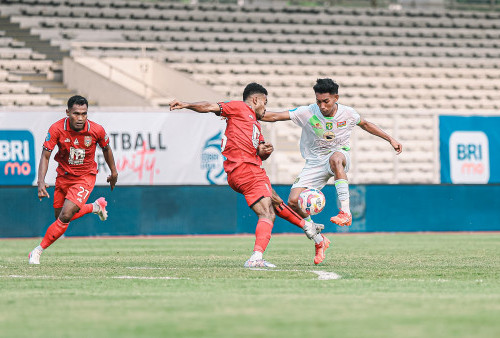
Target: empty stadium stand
(398, 67)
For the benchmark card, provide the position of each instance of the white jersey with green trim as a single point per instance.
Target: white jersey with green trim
(321, 135)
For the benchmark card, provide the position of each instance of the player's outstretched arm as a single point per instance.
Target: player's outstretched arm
(270, 116)
(199, 107)
(42, 171)
(110, 160)
(375, 130)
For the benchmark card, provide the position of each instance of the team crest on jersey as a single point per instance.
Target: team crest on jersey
(76, 142)
(341, 124)
(67, 140)
(250, 116)
(329, 135)
(329, 125)
(87, 141)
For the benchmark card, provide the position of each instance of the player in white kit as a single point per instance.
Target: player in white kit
(324, 144)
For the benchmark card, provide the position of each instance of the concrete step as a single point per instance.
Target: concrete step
(32, 41)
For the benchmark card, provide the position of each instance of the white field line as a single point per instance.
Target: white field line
(67, 277)
(21, 276)
(139, 277)
(322, 275)
(144, 268)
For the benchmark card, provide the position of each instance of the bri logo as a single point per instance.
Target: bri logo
(17, 157)
(212, 160)
(469, 157)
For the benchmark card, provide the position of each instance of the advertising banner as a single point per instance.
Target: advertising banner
(150, 148)
(467, 145)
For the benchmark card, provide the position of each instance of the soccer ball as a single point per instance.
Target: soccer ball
(311, 201)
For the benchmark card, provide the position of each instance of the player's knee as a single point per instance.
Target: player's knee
(65, 216)
(293, 202)
(270, 214)
(336, 163)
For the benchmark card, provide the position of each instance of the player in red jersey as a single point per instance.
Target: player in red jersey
(77, 139)
(244, 147)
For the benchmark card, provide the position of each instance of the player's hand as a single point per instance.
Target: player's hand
(175, 104)
(397, 146)
(42, 190)
(264, 150)
(112, 180)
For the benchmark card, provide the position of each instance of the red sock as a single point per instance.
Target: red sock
(86, 209)
(54, 231)
(262, 234)
(285, 212)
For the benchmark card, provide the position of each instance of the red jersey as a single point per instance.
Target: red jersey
(76, 154)
(243, 135)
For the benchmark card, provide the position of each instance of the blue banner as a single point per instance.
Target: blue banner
(17, 157)
(216, 209)
(467, 147)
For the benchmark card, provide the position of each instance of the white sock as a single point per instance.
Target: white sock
(318, 238)
(344, 205)
(39, 248)
(256, 256)
(308, 219)
(342, 187)
(95, 207)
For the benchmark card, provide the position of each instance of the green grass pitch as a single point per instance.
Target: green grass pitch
(390, 285)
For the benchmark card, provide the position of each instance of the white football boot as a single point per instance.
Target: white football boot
(34, 256)
(312, 229)
(258, 263)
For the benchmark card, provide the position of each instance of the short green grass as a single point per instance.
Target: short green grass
(391, 285)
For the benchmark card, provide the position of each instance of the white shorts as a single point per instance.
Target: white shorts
(317, 175)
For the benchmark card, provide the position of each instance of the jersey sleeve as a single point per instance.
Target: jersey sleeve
(356, 117)
(51, 138)
(225, 108)
(102, 138)
(300, 115)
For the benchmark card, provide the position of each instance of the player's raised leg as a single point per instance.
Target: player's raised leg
(55, 230)
(264, 210)
(97, 207)
(286, 212)
(320, 249)
(321, 243)
(337, 164)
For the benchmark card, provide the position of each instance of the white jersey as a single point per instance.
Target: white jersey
(321, 136)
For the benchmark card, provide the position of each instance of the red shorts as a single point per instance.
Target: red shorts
(251, 181)
(77, 189)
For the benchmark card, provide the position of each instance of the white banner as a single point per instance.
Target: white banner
(150, 148)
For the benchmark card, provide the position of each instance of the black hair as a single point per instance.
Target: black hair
(78, 100)
(253, 88)
(326, 86)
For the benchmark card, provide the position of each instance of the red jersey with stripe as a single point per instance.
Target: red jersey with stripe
(243, 135)
(76, 154)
